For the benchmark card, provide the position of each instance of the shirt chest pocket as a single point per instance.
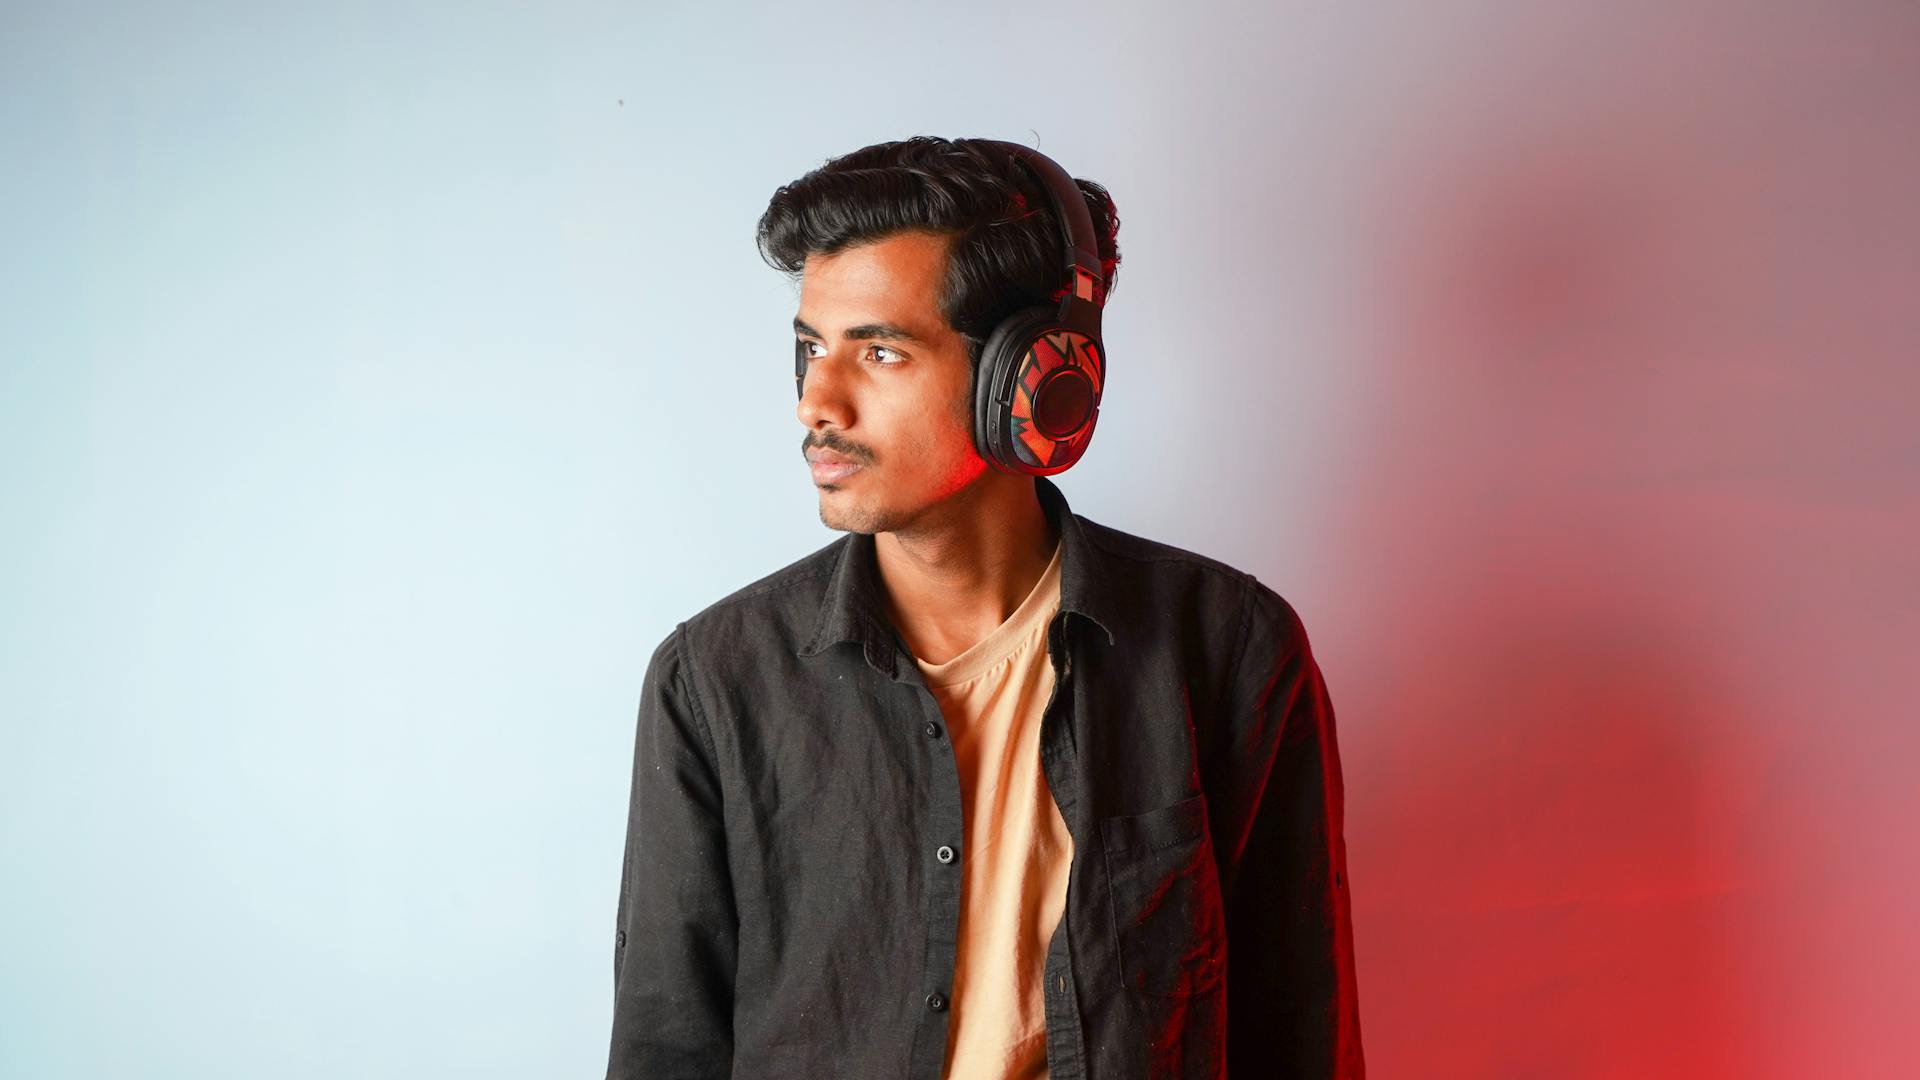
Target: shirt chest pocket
(1166, 899)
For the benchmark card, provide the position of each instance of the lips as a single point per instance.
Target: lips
(829, 466)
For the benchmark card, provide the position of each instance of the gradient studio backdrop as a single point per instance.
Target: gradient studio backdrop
(380, 384)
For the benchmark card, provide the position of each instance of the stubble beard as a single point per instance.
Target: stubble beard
(853, 520)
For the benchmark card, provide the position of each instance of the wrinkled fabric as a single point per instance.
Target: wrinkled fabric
(783, 909)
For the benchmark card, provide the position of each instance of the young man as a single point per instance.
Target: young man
(981, 789)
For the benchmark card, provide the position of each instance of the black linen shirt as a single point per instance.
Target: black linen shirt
(782, 912)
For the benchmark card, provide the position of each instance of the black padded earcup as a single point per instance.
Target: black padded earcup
(1037, 393)
(993, 384)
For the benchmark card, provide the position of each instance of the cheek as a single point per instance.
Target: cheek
(942, 433)
(938, 448)
(935, 437)
(963, 460)
(939, 444)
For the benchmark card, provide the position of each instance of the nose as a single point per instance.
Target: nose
(823, 396)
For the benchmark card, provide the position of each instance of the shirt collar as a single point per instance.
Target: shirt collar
(853, 607)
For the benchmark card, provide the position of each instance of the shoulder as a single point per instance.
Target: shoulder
(778, 608)
(1211, 583)
(807, 572)
(1155, 556)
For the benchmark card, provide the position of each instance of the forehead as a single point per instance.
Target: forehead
(896, 278)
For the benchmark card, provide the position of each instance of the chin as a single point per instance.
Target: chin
(836, 516)
(847, 515)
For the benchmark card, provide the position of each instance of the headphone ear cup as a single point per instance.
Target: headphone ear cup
(993, 383)
(1036, 394)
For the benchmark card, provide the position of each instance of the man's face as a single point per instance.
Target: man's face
(887, 386)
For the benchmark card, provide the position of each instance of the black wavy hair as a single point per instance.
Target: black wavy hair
(1006, 249)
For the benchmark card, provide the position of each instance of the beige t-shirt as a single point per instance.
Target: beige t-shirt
(1018, 851)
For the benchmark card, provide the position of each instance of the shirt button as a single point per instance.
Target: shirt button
(945, 854)
(933, 730)
(936, 1002)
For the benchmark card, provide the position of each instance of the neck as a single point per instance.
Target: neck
(953, 579)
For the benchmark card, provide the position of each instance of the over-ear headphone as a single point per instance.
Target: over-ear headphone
(1037, 387)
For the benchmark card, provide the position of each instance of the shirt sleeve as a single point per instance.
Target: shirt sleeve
(1292, 1002)
(676, 932)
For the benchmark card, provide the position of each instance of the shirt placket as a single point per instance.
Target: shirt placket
(1066, 1047)
(940, 845)
(1066, 1044)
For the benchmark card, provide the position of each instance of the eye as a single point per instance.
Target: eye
(806, 349)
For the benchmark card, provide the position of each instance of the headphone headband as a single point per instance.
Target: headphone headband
(1081, 248)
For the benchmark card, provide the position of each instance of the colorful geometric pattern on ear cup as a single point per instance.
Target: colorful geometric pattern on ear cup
(1056, 397)
(1037, 393)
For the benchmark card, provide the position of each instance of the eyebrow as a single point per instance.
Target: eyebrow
(864, 332)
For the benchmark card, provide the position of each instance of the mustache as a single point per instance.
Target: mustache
(837, 445)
